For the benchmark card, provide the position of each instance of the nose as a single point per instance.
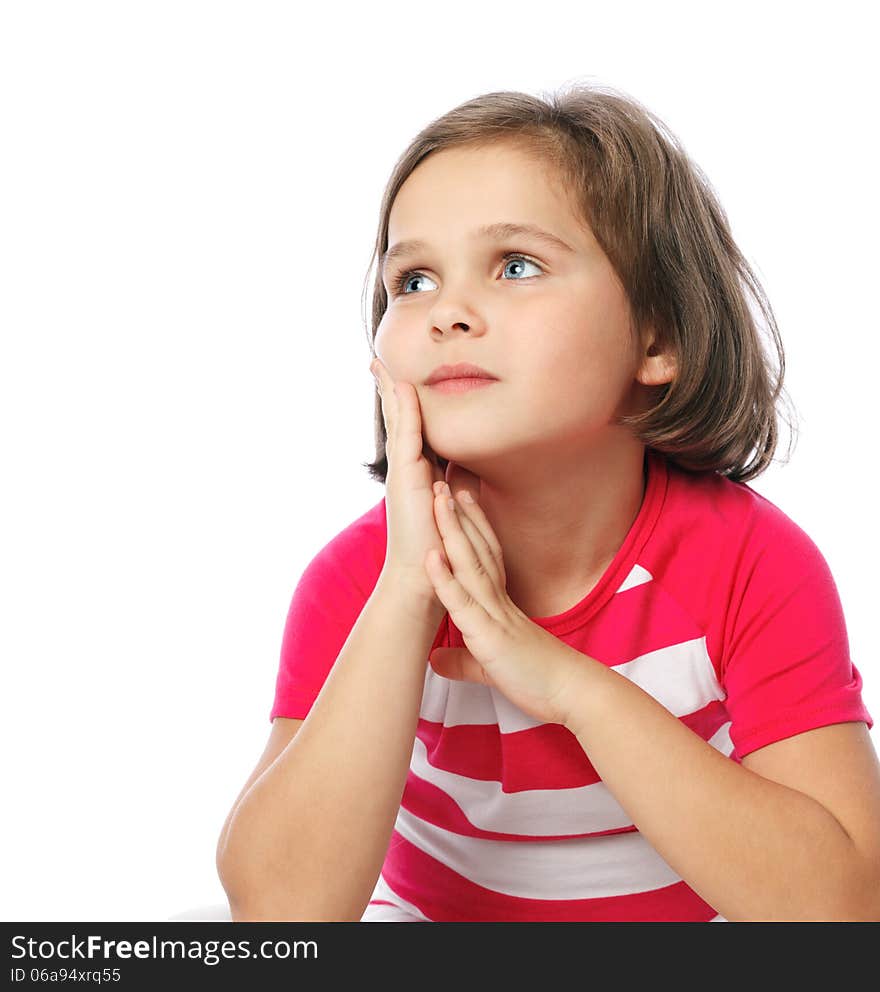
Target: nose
(446, 327)
(446, 317)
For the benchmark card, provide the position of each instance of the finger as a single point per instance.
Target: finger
(465, 610)
(467, 550)
(458, 478)
(441, 490)
(476, 525)
(387, 396)
(482, 538)
(401, 413)
(408, 437)
(458, 664)
(492, 552)
(433, 460)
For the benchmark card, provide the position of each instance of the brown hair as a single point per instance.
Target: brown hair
(664, 231)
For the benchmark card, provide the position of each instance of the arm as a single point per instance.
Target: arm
(308, 839)
(281, 734)
(803, 847)
(791, 834)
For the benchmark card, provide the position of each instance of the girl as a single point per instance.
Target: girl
(606, 680)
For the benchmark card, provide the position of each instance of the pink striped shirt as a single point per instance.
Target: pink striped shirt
(717, 604)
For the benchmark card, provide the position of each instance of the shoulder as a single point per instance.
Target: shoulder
(728, 557)
(353, 557)
(325, 605)
(732, 519)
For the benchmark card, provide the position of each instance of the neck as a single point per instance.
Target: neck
(561, 523)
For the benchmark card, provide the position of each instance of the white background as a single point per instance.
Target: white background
(189, 195)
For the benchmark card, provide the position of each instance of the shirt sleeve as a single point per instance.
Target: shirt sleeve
(326, 603)
(787, 667)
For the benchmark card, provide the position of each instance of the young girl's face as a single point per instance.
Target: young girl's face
(551, 322)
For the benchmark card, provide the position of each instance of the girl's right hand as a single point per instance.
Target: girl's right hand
(409, 488)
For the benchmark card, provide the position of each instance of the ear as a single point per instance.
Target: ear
(658, 363)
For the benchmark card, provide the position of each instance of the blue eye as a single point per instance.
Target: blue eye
(400, 281)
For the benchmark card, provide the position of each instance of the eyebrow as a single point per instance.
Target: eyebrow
(496, 232)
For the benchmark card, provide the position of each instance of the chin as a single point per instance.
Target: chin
(459, 456)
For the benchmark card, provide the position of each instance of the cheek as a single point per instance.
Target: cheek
(383, 332)
(591, 342)
(390, 343)
(582, 374)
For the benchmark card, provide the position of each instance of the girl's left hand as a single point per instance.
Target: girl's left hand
(505, 648)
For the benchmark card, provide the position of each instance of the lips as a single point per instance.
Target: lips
(463, 370)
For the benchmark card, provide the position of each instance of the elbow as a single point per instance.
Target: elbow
(256, 898)
(855, 898)
(863, 904)
(246, 903)
(858, 890)
(233, 889)
(850, 894)
(234, 878)
(244, 876)
(221, 863)
(278, 907)
(222, 860)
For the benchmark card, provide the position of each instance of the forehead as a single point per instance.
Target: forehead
(459, 189)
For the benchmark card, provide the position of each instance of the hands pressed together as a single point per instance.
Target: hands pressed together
(504, 647)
